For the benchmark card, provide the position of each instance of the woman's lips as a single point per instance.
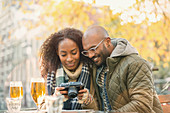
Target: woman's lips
(70, 65)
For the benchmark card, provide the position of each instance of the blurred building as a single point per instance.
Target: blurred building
(6, 23)
(18, 53)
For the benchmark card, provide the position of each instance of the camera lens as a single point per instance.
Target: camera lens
(72, 92)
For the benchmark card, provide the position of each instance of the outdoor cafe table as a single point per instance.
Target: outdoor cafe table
(63, 111)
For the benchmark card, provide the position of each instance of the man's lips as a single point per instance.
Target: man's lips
(95, 59)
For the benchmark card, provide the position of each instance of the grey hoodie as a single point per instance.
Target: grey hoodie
(122, 47)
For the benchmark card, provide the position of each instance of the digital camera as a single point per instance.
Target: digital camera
(72, 88)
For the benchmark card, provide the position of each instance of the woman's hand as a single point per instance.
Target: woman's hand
(84, 97)
(61, 90)
(83, 93)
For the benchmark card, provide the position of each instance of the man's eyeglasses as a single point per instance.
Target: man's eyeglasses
(86, 53)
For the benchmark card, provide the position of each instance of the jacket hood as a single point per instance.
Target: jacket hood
(122, 47)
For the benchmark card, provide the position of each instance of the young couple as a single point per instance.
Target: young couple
(115, 77)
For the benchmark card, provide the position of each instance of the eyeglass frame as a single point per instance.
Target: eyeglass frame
(93, 49)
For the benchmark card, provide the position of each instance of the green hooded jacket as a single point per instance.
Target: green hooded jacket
(129, 82)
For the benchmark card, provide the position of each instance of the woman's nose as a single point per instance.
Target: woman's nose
(69, 58)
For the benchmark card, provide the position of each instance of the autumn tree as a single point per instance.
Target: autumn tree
(147, 29)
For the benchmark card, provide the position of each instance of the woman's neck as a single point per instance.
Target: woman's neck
(74, 74)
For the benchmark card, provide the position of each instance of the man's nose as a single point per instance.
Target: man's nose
(91, 54)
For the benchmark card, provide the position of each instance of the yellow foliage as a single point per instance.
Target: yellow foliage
(165, 64)
(152, 41)
(38, 38)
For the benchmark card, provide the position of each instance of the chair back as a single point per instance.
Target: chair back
(165, 102)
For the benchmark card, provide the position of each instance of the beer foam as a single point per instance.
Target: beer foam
(37, 80)
(15, 84)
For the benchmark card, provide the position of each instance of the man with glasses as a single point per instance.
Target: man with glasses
(122, 79)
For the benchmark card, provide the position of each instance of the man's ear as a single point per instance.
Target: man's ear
(108, 42)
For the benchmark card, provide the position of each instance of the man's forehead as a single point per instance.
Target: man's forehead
(90, 41)
(90, 37)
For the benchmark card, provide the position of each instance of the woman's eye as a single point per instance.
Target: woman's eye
(63, 55)
(74, 53)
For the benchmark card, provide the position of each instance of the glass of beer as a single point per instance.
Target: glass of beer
(38, 91)
(13, 105)
(16, 89)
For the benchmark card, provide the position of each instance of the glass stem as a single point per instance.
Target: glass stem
(38, 107)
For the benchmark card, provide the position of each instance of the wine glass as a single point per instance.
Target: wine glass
(38, 91)
(16, 89)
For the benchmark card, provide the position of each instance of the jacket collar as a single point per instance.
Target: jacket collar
(112, 62)
(122, 48)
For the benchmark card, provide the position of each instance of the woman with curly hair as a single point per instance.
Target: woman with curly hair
(62, 62)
